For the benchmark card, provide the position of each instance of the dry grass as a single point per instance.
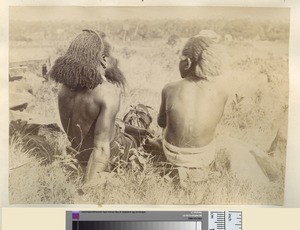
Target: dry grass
(32, 182)
(259, 73)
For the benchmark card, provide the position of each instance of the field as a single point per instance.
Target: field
(255, 112)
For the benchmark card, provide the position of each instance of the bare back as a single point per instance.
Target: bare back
(80, 112)
(192, 111)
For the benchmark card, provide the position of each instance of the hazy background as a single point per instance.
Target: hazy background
(56, 13)
(147, 42)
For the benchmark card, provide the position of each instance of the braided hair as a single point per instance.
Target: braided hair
(205, 58)
(80, 67)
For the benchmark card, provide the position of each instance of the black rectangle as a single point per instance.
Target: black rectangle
(74, 225)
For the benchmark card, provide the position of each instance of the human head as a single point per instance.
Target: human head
(85, 63)
(113, 74)
(201, 57)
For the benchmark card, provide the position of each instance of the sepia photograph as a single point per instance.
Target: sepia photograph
(174, 105)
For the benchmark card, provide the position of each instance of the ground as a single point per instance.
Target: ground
(256, 110)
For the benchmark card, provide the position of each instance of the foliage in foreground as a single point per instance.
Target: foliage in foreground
(44, 173)
(138, 182)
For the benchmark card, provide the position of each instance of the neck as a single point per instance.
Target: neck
(195, 78)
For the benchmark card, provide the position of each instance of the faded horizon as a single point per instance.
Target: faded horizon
(75, 13)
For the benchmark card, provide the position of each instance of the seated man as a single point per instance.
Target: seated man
(89, 100)
(191, 109)
(190, 112)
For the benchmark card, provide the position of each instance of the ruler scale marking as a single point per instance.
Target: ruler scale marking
(225, 220)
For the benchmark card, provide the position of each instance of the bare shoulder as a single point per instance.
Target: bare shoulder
(221, 88)
(107, 93)
(62, 90)
(168, 88)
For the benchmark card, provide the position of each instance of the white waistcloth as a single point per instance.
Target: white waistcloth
(190, 157)
(247, 162)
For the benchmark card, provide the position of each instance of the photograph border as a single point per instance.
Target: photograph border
(291, 188)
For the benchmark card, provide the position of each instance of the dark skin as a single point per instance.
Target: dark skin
(191, 109)
(88, 117)
(89, 101)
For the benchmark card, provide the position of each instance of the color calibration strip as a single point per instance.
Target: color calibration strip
(133, 225)
(154, 220)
